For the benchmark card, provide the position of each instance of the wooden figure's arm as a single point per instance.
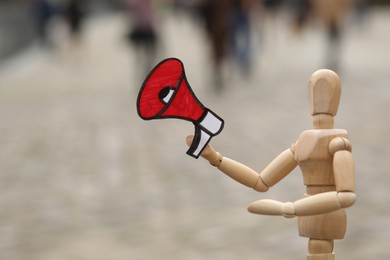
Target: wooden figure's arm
(282, 165)
(273, 173)
(313, 205)
(343, 197)
(343, 164)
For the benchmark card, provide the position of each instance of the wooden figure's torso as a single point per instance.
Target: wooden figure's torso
(311, 151)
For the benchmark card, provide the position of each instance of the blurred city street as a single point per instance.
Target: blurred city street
(83, 177)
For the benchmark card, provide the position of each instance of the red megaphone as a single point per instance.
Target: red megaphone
(166, 93)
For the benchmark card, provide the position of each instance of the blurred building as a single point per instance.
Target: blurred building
(16, 28)
(18, 22)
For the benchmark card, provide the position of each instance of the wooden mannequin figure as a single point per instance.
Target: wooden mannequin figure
(324, 157)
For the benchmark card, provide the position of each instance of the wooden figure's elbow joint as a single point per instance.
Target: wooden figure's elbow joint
(260, 185)
(346, 199)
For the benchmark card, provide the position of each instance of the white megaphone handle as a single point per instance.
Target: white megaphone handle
(209, 126)
(201, 139)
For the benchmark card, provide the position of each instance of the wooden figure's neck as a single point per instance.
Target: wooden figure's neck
(323, 121)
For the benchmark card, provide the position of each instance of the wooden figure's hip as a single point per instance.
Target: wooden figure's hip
(325, 226)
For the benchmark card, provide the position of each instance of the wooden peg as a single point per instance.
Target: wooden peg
(320, 249)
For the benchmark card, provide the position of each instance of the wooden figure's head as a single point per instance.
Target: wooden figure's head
(324, 97)
(324, 92)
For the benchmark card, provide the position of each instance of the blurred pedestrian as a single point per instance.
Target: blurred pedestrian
(332, 14)
(44, 11)
(301, 12)
(217, 15)
(142, 33)
(74, 13)
(241, 37)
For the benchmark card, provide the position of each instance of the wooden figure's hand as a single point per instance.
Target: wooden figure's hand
(273, 208)
(208, 153)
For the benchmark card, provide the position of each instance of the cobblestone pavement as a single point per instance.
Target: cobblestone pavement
(82, 177)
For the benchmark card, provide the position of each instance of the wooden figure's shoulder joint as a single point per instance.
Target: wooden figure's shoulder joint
(293, 147)
(339, 144)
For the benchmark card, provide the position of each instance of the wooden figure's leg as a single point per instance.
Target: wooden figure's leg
(320, 249)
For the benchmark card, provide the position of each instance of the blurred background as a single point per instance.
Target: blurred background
(83, 177)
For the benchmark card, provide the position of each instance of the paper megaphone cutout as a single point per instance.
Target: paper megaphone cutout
(166, 93)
